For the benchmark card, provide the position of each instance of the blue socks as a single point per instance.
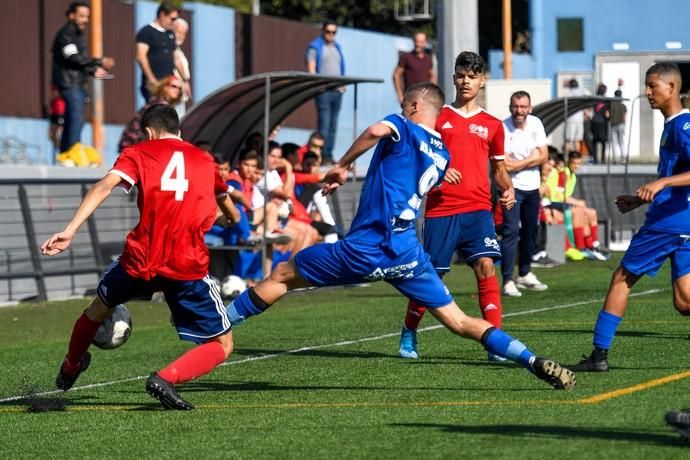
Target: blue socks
(605, 329)
(244, 306)
(499, 343)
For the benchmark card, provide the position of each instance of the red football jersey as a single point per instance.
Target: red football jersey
(472, 139)
(178, 185)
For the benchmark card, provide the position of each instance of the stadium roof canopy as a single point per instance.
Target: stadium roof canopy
(553, 113)
(227, 116)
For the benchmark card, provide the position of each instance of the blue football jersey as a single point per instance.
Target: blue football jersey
(670, 209)
(403, 169)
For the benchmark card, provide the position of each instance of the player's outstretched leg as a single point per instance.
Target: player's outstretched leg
(193, 364)
(78, 358)
(498, 342)
(680, 421)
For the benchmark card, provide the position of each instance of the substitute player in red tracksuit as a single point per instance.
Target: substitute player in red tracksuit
(179, 187)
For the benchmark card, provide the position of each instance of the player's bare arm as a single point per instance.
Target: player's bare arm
(336, 176)
(93, 199)
(648, 191)
(143, 60)
(537, 157)
(398, 82)
(505, 184)
(228, 208)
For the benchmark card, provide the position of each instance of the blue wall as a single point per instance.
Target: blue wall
(644, 24)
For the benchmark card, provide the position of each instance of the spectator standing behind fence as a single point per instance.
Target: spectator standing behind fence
(525, 151)
(325, 57)
(574, 125)
(600, 127)
(155, 51)
(166, 91)
(417, 66)
(72, 67)
(618, 113)
(181, 29)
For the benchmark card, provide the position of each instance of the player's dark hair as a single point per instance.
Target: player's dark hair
(204, 145)
(666, 68)
(289, 149)
(161, 118)
(166, 8)
(473, 62)
(429, 92)
(255, 141)
(219, 158)
(74, 6)
(574, 155)
(519, 95)
(328, 22)
(274, 145)
(316, 136)
(310, 156)
(249, 154)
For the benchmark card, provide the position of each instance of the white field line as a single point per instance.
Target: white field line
(328, 345)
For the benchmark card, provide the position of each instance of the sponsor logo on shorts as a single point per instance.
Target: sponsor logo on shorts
(492, 243)
(399, 271)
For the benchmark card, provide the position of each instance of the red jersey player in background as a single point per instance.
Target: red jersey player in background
(179, 187)
(458, 216)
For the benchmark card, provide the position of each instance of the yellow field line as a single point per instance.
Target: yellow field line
(634, 389)
(596, 399)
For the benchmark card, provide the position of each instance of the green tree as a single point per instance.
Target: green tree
(376, 15)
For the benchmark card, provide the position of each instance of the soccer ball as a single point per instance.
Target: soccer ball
(232, 286)
(115, 330)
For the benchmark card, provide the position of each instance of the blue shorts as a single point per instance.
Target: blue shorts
(352, 262)
(473, 233)
(197, 308)
(649, 249)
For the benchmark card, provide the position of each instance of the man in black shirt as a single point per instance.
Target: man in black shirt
(156, 47)
(72, 67)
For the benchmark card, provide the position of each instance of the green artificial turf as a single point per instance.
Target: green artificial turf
(318, 376)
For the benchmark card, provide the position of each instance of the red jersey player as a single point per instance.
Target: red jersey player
(458, 216)
(179, 187)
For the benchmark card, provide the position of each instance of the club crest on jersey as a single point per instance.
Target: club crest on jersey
(686, 126)
(492, 243)
(479, 130)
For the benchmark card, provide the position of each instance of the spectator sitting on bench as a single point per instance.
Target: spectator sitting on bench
(561, 185)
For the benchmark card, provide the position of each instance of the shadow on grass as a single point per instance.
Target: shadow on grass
(557, 432)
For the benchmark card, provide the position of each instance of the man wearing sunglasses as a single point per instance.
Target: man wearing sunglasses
(156, 46)
(325, 57)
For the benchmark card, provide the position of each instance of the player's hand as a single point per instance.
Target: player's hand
(627, 203)
(507, 199)
(335, 177)
(56, 243)
(648, 191)
(453, 176)
(107, 63)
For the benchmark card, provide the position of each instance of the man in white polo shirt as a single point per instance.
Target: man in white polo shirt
(526, 151)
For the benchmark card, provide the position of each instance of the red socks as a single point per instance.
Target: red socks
(579, 234)
(490, 300)
(196, 362)
(414, 315)
(594, 233)
(82, 334)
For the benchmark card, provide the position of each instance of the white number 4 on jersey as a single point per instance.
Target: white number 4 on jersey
(179, 184)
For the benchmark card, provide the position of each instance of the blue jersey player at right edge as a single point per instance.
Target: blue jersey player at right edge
(382, 244)
(666, 230)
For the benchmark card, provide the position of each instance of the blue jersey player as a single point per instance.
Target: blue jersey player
(382, 244)
(666, 230)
